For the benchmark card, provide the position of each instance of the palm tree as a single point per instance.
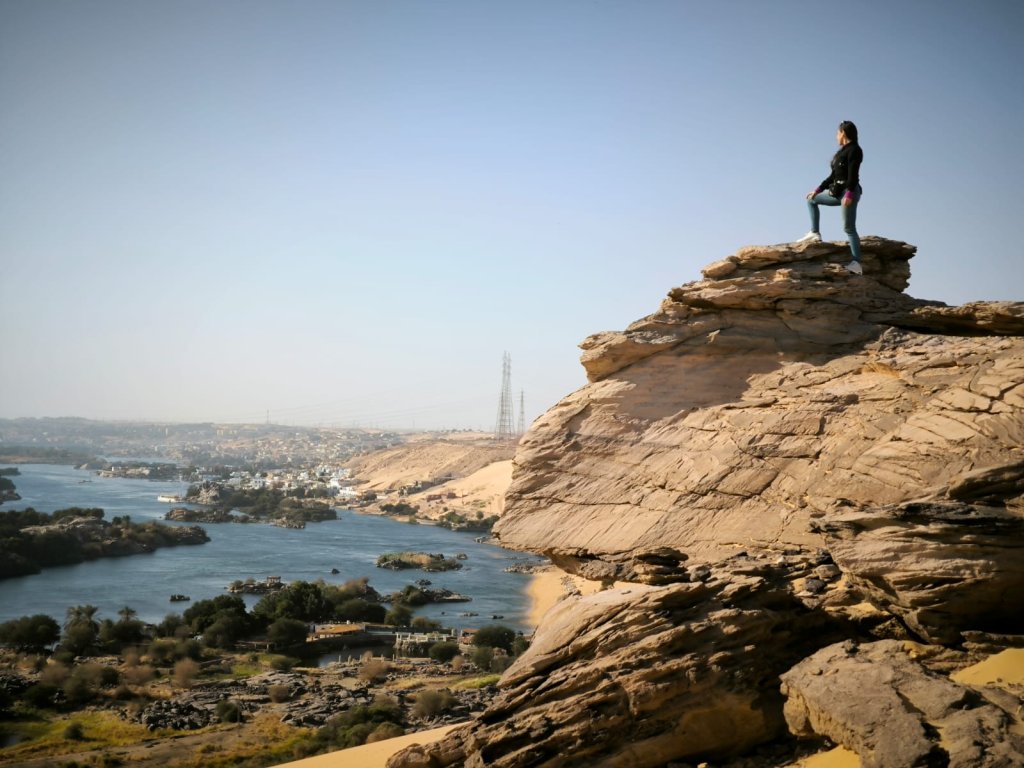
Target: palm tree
(127, 614)
(82, 614)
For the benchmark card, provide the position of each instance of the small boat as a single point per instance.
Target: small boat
(179, 598)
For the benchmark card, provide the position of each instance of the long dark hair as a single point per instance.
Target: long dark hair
(849, 130)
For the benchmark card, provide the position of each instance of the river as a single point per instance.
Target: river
(350, 544)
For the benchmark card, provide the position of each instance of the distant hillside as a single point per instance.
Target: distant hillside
(428, 462)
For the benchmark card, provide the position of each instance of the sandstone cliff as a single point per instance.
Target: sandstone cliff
(787, 460)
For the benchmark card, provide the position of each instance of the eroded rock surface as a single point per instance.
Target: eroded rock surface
(941, 567)
(783, 456)
(758, 397)
(876, 701)
(643, 675)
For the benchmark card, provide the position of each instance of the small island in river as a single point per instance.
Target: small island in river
(31, 540)
(220, 503)
(397, 561)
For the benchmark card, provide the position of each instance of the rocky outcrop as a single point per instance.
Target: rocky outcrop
(940, 567)
(644, 675)
(756, 398)
(784, 456)
(894, 713)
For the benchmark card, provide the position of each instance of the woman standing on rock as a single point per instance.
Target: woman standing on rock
(843, 183)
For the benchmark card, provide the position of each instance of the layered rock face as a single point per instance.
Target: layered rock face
(783, 445)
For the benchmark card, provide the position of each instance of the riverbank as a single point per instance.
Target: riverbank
(546, 587)
(335, 551)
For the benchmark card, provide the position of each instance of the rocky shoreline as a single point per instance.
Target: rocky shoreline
(77, 538)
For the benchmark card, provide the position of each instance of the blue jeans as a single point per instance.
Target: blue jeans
(849, 217)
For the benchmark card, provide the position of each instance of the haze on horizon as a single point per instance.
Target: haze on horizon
(343, 213)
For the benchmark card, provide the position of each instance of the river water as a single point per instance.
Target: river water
(351, 544)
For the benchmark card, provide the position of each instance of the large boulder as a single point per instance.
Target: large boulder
(878, 702)
(941, 567)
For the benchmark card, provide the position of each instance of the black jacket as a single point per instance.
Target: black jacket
(845, 170)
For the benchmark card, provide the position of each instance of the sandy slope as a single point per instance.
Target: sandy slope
(370, 755)
(423, 460)
(483, 491)
(481, 472)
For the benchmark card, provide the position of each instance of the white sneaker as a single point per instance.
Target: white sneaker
(810, 237)
(855, 268)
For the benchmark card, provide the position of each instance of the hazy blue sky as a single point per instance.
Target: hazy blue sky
(345, 212)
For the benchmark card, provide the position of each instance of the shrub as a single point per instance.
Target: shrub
(285, 633)
(189, 648)
(356, 726)
(374, 670)
(356, 735)
(495, 636)
(385, 731)
(458, 663)
(443, 651)
(279, 693)
(139, 675)
(519, 645)
(482, 657)
(95, 674)
(431, 702)
(399, 616)
(283, 663)
(55, 673)
(79, 689)
(74, 731)
(163, 650)
(123, 693)
(185, 672)
(384, 708)
(500, 663)
(228, 711)
(41, 695)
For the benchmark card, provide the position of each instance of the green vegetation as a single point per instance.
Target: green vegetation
(221, 622)
(286, 633)
(259, 504)
(431, 702)
(443, 651)
(401, 508)
(428, 562)
(357, 726)
(97, 664)
(459, 522)
(59, 735)
(31, 540)
(477, 682)
(495, 636)
(32, 634)
(228, 711)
